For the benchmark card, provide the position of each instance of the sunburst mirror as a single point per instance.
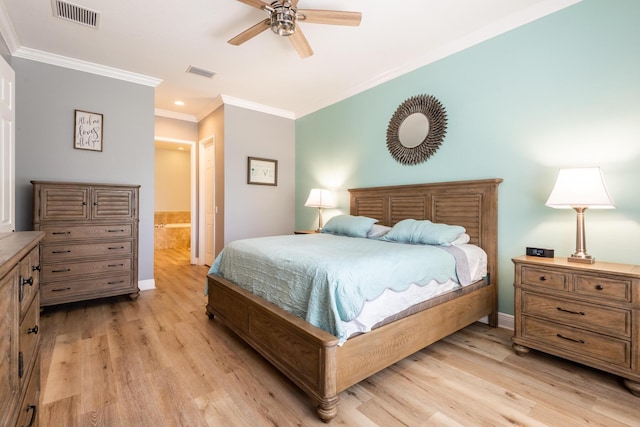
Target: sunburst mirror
(416, 129)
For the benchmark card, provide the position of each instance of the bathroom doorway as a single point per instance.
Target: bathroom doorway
(173, 203)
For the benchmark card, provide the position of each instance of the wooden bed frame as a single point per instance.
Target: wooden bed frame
(311, 357)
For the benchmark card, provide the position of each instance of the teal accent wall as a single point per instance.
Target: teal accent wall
(562, 91)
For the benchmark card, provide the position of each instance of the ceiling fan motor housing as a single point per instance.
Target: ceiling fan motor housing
(283, 18)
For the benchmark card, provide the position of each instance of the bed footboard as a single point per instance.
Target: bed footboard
(304, 353)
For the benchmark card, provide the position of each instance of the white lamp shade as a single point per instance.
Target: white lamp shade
(580, 187)
(320, 198)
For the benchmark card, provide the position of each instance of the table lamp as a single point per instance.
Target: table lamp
(580, 189)
(320, 198)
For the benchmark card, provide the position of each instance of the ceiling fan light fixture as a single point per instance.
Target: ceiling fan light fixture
(283, 18)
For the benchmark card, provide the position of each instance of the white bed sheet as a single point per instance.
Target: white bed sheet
(391, 302)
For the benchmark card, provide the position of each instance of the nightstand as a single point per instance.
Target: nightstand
(587, 313)
(305, 232)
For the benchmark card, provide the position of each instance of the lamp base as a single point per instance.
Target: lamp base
(587, 259)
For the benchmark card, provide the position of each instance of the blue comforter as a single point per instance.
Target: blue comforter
(324, 278)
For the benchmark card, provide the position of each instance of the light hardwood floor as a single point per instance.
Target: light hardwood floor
(159, 361)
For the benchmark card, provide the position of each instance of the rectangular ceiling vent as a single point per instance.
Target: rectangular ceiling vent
(200, 72)
(75, 13)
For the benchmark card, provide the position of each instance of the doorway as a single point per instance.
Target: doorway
(174, 202)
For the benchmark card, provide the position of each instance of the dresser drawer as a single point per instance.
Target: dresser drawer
(74, 290)
(545, 278)
(603, 287)
(64, 233)
(608, 320)
(579, 342)
(60, 271)
(29, 407)
(29, 280)
(61, 252)
(29, 338)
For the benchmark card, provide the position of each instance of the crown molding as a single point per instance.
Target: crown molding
(85, 66)
(177, 116)
(226, 99)
(221, 100)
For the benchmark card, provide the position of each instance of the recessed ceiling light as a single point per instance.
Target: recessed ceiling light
(180, 103)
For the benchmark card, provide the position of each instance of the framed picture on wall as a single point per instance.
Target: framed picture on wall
(87, 131)
(262, 171)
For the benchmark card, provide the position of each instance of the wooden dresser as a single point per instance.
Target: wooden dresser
(588, 313)
(90, 247)
(19, 333)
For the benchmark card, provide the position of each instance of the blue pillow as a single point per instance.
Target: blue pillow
(348, 225)
(423, 232)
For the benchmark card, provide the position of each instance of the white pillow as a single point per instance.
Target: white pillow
(461, 239)
(377, 231)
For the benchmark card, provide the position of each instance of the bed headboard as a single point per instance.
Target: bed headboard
(471, 204)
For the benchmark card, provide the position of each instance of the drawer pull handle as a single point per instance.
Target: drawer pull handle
(55, 233)
(34, 410)
(20, 365)
(60, 289)
(64, 270)
(543, 279)
(599, 287)
(33, 330)
(570, 339)
(115, 282)
(61, 252)
(115, 265)
(28, 281)
(35, 268)
(115, 231)
(116, 248)
(581, 313)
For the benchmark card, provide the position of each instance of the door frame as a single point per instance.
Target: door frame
(193, 179)
(201, 197)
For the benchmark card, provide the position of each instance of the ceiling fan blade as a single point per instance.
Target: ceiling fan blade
(250, 33)
(300, 43)
(255, 3)
(333, 17)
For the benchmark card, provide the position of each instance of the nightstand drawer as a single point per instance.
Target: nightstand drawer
(545, 278)
(604, 287)
(613, 321)
(582, 343)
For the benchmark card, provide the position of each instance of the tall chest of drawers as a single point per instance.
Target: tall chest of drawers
(19, 329)
(90, 246)
(588, 313)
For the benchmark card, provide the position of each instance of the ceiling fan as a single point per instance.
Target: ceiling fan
(283, 18)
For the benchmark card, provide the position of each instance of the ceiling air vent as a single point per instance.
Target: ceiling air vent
(75, 13)
(200, 72)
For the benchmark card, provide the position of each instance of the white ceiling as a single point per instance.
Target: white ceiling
(153, 42)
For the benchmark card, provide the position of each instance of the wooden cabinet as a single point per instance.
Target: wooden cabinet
(19, 328)
(588, 313)
(90, 247)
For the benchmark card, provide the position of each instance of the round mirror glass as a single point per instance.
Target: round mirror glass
(413, 130)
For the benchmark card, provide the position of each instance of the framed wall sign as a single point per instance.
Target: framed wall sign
(262, 171)
(88, 131)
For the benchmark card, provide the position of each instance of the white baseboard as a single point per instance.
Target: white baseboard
(145, 285)
(504, 321)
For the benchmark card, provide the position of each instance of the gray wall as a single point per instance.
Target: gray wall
(258, 210)
(46, 97)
